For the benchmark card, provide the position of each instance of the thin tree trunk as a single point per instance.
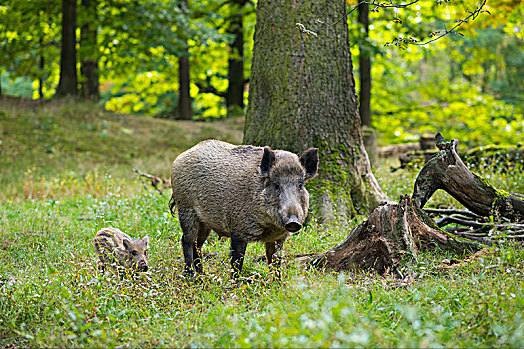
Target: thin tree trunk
(89, 51)
(302, 94)
(184, 111)
(184, 99)
(368, 135)
(365, 70)
(41, 63)
(41, 78)
(68, 74)
(235, 90)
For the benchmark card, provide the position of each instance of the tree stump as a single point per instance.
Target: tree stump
(393, 235)
(389, 240)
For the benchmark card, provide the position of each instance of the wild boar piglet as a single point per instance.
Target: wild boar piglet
(114, 247)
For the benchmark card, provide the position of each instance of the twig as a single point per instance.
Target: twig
(409, 41)
(155, 181)
(441, 211)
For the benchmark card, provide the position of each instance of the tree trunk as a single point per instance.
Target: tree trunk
(89, 51)
(447, 171)
(184, 111)
(368, 134)
(41, 66)
(365, 70)
(235, 90)
(68, 75)
(302, 94)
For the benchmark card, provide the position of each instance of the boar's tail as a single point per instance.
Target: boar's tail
(172, 205)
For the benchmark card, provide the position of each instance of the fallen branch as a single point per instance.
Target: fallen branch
(155, 181)
(447, 171)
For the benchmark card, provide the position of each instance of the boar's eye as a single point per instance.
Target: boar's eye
(276, 186)
(134, 252)
(301, 185)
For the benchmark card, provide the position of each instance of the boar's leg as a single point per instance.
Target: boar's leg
(188, 223)
(203, 234)
(238, 250)
(273, 250)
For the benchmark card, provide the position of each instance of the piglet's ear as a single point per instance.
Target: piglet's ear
(268, 159)
(126, 243)
(310, 162)
(145, 239)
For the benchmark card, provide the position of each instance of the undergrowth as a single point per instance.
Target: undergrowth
(51, 294)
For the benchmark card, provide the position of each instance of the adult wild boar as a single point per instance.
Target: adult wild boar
(242, 192)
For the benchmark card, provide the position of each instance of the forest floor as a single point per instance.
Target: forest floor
(66, 172)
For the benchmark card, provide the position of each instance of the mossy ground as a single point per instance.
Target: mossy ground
(64, 181)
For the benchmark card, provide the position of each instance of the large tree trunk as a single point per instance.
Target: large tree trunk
(235, 89)
(89, 51)
(302, 94)
(68, 75)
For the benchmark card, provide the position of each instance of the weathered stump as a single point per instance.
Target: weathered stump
(446, 171)
(393, 235)
(390, 239)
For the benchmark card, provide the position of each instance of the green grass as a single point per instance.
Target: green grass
(52, 295)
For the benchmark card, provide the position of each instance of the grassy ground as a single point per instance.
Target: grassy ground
(63, 180)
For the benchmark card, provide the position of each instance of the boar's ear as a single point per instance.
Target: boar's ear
(145, 239)
(126, 243)
(310, 162)
(268, 159)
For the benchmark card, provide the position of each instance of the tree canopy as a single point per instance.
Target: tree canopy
(415, 87)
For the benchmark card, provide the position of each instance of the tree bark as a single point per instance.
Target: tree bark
(447, 171)
(67, 84)
(184, 111)
(235, 90)
(89, 51)
(302, 94)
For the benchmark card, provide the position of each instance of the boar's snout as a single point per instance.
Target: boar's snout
(293, 224)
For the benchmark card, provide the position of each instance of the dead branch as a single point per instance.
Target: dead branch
(155, 181)
(447, 171)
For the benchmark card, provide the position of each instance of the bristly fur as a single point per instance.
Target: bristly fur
(244, 192)
(116, 248)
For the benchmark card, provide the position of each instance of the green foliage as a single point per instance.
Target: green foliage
(457, 109)
(52, 294)
(16, 87)
(467, 87)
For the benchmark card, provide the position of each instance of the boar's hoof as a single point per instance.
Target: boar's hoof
(293, 225)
